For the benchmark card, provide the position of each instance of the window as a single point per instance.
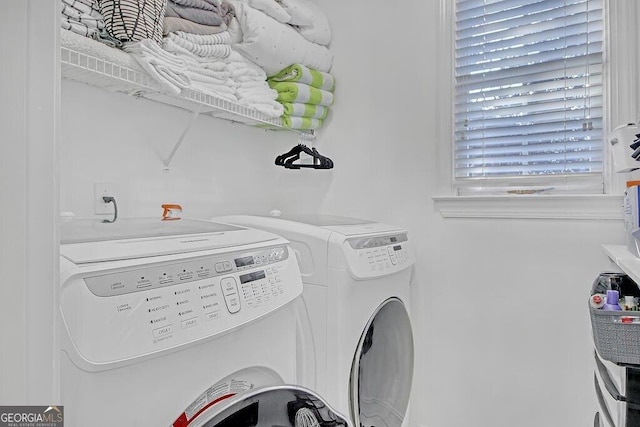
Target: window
(528, 96)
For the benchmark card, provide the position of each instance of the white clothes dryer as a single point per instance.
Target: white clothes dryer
(356, 276)
(183, 323)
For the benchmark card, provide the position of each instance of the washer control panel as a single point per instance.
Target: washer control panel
(120, 315)
(378, 255)
(171, 274)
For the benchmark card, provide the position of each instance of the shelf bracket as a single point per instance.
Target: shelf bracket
(184, 133)
(307, 137)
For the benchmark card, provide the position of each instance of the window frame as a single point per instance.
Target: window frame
(621, 103)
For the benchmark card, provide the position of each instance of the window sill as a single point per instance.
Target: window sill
(580, 206)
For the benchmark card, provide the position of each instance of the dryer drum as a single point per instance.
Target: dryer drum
(274, 406)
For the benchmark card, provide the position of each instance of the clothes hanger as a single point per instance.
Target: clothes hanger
(295, 151)
(288, 159)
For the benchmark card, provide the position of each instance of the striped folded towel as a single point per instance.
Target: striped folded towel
(301, 74)
(302, 123)
(302, 93)
(305, 110)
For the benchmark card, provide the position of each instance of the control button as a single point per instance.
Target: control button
(392, 256)
(212, 316)
(161, 332)
(229, 286)
(219, 267)
(144, 286)
(233, 303)
(230, 294)
(189, 323)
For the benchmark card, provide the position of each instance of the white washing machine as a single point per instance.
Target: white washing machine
(356, 276)
(183, 323)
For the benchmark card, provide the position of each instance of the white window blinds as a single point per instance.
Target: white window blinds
(528, 100)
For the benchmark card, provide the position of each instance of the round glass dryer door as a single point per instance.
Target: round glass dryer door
(382, 368)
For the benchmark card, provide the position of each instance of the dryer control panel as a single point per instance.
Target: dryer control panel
(118, 316)
(378, 255)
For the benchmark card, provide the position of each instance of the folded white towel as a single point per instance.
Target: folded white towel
(168, 69)
(146, 46)
(193, 60)
(205, 39)
(270, 109)
(196, 75)
(214, 50)
(218, 91)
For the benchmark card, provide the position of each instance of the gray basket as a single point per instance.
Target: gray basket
(617, 335)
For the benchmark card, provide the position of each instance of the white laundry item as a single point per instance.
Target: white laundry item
(310, 21)
(205, 39)
(212, 74)
(168, 69)
(270, 109)
(275, 46)
(271, 8)
(202, 50)
(218, 91)
(196, 75)
(147, 46)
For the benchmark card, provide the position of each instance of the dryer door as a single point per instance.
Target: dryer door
(382, 368)
(281, 405)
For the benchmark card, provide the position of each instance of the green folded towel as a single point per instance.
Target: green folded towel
(301, 74)
(305, 110)
(300, 92)
(296, 122)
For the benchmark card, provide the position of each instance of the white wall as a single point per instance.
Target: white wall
(509, 337)
(29, 95)
(499, 305)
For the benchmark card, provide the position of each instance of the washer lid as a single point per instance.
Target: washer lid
(340, 224)
(84, 241)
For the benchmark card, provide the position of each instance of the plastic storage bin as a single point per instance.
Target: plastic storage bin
(616, 335)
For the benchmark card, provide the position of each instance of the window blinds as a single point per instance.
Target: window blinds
(528, 100)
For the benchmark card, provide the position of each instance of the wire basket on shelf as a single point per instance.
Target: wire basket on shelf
(134, 20)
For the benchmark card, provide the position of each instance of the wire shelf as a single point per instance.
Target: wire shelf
(127, 78)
